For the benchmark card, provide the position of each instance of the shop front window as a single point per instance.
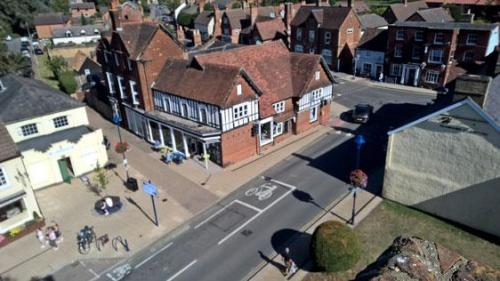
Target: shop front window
(12, 209)
(266, 133)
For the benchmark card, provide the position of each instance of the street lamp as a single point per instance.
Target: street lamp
(117, 120)
(359, 140)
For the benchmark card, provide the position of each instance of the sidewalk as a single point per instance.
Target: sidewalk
(338, 211)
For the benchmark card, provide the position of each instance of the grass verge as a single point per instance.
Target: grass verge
(44, 73)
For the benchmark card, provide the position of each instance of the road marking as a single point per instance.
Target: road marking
(248, 205)
(292, 188)
(182, 270)
(153, 255)
(213, 215)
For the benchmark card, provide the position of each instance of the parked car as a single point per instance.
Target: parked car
(38, 51)
(26, 53)
(361, 113)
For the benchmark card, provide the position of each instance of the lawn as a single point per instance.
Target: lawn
(44, 73)
(390, 220)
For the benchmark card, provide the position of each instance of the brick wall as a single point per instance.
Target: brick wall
(237, 145)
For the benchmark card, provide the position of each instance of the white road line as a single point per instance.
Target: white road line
(182, 270)
(248, 205)
(108, 269)
(284, 184)
(111, 277)
(153, 255)
(257, 215)
(93, 272)
(212, 216)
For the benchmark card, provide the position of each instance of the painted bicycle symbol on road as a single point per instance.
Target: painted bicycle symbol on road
(262, 192)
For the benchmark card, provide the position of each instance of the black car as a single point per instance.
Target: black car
(38, 51)
(361, 113)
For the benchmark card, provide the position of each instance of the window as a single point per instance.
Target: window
(416, 52)
(277, 128)
(299, 49)
(439, 38)
(166, 104)
(327, 55)
(396, 69)
(184, 111)
(317, 75)
(68, 33)
(129, 64)
(121, 87)
(400, 35)
(111, 82)
(3, 178)
(83, 32)
(350, 30)
(106, 59)
(398, 52)
(203, 115)
(436, 56)
(298, 36)
(432, 77)
(240, 111)
(419, 36)
(117, 59)
(60, 121)
(317, 94)
(12, 209)
(135, 94)
(311, 51)
(312, 34)
(471, 39)
(29, 129)
(279, 106)
(313, 114)
(367, 68)
(328, 37)
(468, 57)
(96, 31)
(238, 89)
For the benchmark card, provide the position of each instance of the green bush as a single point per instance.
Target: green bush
(67, 82)
(335, 247)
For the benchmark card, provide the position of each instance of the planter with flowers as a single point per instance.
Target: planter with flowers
(121, 147)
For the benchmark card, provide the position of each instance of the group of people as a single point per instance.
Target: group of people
(106, 205)
(51, 236)
(290, 266)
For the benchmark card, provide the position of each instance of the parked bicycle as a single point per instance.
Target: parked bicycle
(84, 238)
(263, 192)
(101, 242)
(117, 241)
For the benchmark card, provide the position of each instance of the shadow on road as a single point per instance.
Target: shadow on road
(279, 266)
(307, 198)
(131, 201)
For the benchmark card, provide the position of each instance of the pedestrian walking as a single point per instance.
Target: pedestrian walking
(51, 235)
(287, 261)
(41, 237)
(381, 77)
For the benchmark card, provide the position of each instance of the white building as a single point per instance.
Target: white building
(77, 34)
(51, 131)
(370, 53)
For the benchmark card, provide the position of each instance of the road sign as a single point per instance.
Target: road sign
(117, 119)
(150, 189)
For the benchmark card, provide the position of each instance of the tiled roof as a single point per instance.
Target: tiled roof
(447, 25)
(270, 28)
(82, 5)
(327, 17)
(403, 12)
(372, 21)
(136, 37)
(8, 149)
(50, 18)
(76, 62)
(204, 18)
(211, 83)
(240, 18)
(435, 15)
(373, 39)
(466, 2)
(359, 6)
(26, 98)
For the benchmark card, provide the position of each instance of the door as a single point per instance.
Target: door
(64, 168)
(411, 76)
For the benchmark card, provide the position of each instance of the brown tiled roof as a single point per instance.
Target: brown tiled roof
(435, 15)
(402, 12)
(8, 149)
(83, 5)
(50, 18)
(327, 17)
(211, 83)
(359, 6)
(270, 28)
(240, 18)
(373, 39)
(466, 2)
(77, 61)
(372, 21)
(136, 37)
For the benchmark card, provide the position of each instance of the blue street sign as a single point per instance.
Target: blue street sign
(116, 119)
(359, 140)
(150, 189)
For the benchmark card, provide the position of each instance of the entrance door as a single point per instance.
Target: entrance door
(65, 169)
(411, 76)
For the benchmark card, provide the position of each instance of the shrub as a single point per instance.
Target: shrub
(67, 82)
(335, 247)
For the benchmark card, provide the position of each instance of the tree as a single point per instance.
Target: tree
(236, 5)
(67, 82)
(335, 247)
(332, 2)
(209, 7)
(56, 64)
(16, 64)
(101, 177)
(59, 6)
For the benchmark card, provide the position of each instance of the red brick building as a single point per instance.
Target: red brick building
(432, 55)
(236, 103)
(333, 32)
(46, 23)
(87, 9)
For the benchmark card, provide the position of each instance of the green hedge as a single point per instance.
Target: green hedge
(335, 247)
(67, 82)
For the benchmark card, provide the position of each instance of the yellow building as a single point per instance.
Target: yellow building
(51, 130)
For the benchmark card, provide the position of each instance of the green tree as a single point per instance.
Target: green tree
(56, 64)
(332, 2)
(14, 63)
(171, 4)
(67, 82)
(209, 7)
(236, 5)
(83, 20)
(59, 6)
(101, 177)
(335, 247)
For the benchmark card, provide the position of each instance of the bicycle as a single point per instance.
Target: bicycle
(263, 192)
(101, 241)
(84, 238)
(123, 242)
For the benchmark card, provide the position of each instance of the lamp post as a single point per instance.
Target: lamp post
(359, 140)
(117, 120)
(359, 181)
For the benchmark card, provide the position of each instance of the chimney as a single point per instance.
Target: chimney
(201, 4)
(405, 2)
(253, 14)
(196, 37)
(217, 20)
(317, 3)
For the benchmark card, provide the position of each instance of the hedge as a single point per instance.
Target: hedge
(335, 247)
(67, 82)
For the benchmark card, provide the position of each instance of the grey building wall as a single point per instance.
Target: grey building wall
(448, 166)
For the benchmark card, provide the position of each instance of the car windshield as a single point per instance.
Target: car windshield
(362, 109)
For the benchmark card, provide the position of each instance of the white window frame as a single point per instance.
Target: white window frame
(60, 121)
(350, 30)
(313, 114)
(417, 39)
(120, 86)
(311, 35)
(398, 52)
(279, 106)
(317, 75)
(240, 111)
(400, 35)
(277, 128)
(395, 66)
(312, 50)
(328, 37)
(436, 37)
(432, 81)
(238, 90)
(165, 102)
(317, 94)
(299, 48)
(106, 59)
(468, 41)
(111, 82)
(29, 129)
(133, 92)
(117, 61)
(4, 180)
(298, 35)
(431, 56)
(129, 64)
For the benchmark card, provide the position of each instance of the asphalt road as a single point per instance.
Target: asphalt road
(228, 241)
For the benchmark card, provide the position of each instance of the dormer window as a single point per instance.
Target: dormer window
(238, 89)
(96, 31)
(68, 33)
(82, 32)
(316, 75)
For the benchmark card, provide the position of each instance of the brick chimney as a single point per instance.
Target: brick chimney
(201, 4)
(115, 15)
(217, 20)
(196, 37)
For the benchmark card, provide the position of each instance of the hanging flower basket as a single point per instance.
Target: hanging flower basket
(358, 178)
(121, 147)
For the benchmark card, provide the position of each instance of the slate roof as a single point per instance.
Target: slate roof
(270, 29)
(43, 143)
(402, 12)
(82, 5)
(76, 30)
(240, 18)
(50, 18)
(447, 25)
(327, 17)
(136, 37)
(204, 18)
(26, 98)
(435, 15)
(8, 149)
(492, 100)
(372, 21)
(466, 2)
(373, 39)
